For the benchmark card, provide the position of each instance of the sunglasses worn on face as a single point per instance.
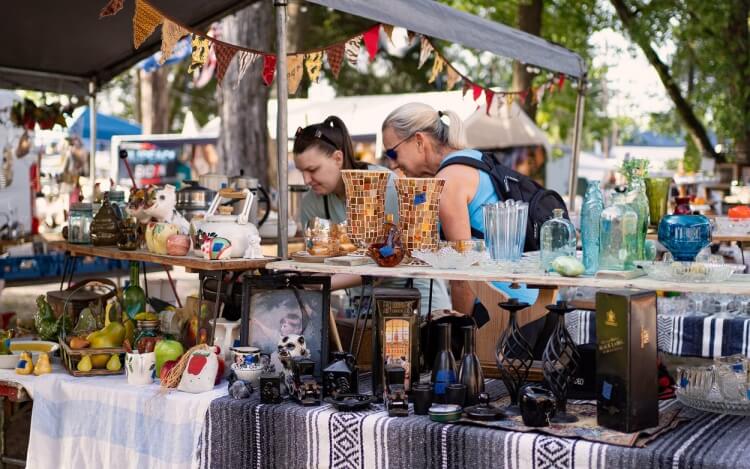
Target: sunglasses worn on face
(391, 152)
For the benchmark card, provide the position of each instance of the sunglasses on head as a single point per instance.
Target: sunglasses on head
(319, 135)
(391, 152)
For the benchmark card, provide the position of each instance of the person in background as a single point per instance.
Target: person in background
(419, 139)
(321, 152)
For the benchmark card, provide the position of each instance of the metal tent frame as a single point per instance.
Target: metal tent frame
(441, 21)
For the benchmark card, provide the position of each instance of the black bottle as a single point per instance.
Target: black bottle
(444, 368)
(470, 372)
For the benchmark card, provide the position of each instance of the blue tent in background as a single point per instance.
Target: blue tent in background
(106, 127)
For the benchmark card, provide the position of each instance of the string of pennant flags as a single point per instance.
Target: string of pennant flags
(147, 18)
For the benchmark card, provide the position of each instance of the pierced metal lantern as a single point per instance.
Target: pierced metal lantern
(514, 355)
(560, 362)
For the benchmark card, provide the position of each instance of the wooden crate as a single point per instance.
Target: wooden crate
(70, 358)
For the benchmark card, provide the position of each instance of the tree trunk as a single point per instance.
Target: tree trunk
(243, 142)
(694, 126)
(154, 100)
(738, 42)
(530, 21)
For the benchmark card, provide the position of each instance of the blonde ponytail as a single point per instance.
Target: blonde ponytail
(408, 119)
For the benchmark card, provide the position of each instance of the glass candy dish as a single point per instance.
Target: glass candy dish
(732, 226)
(694, 272)
(453, 254)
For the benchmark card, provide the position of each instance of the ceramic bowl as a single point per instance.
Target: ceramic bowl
(248, 373)
(244, 356)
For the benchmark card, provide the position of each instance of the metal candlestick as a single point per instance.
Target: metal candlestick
(559, 362)
(514, 355)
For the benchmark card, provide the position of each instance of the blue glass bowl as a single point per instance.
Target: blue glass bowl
(684, 235)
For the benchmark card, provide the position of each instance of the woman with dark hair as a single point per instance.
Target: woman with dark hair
(321, 152)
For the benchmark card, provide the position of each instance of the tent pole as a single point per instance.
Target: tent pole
(92, 135)
(281, 128)
(578, 125)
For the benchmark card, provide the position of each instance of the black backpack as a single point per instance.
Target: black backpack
(510, 185)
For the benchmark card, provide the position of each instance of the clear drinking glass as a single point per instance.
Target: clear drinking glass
(505, 229)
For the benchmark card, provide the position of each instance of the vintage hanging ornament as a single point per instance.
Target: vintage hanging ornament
(224, 55)
(351, 50)
(425, 51)
(145, 21)
(314, 64)
(452, 77)
(437, 67)
(294, 72)
(335, 55)
(371, 38)
(269, 69)
(170, 33)
(112, 8)
(199, 56)
(245, 59)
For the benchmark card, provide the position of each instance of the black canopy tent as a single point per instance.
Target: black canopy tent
(434, 19)
(63, 47)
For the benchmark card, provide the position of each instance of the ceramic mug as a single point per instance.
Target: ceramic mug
(140, 367)
(245, 356)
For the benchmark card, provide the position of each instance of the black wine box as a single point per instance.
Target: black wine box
(626, 361)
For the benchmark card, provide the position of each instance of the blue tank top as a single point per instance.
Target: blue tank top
(485, 194)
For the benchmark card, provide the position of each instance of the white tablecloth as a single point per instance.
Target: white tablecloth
(102, 421)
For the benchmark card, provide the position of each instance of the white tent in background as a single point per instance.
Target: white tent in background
(508, 126)
(190, 126)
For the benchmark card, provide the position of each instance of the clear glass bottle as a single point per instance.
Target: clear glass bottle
(133, 296)
(639, 202)
(558, 238)
(79, 223)
(618, 235)
(591, 212)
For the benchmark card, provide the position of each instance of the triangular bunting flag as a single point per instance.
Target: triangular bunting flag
(437, 67)
(294, 72)
(509, 97)
(489, 95)
(371, 38)
(170, 34)
(452, 78)
(467, 86)
(314, 64)
(145, 21)
(476, 91)
(560, 82)
(388, 28)
(269, 69)
(410, 35)
(224, 55)
(335, 56)
(111, 9)
(245, 59)
(201, 47)
(425, 51)
(351, 50)
(499, 98)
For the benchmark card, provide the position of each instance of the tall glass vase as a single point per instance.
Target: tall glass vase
(514, 355)
(365, 205)
(591, 212)
(559, 362)
(639, 202)
(657, 191)
(418, 203)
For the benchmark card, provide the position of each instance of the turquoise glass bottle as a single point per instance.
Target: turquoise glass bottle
(618, 233)
(591, 212)
(557, 238)
(639, 202)
(133, 296)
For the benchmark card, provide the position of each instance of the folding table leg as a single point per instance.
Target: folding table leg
(217, 304)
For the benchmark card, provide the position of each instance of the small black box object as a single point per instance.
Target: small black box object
(582, 384)
(626, 360)
(270, 388)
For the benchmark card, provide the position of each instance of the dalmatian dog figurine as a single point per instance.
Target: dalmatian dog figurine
(290, 346)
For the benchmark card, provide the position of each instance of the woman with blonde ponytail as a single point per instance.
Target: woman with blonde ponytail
(419, 139)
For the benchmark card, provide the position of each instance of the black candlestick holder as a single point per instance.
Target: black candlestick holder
(514, 355)
(560, 361)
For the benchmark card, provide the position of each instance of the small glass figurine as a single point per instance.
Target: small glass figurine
(389, 251)
(558, 238)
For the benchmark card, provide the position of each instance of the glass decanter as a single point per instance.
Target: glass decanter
(618, 233)
(591, 212)
(639, 203)
(558, 238)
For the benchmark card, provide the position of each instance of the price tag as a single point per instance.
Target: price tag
(420, 198)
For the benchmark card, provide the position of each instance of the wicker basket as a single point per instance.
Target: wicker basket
(80, 295)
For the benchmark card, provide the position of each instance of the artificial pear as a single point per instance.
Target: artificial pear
(85, 364)
(113, 364)
(25, 365)
(43, 365)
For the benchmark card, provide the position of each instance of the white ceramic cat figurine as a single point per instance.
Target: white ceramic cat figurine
(253, 251)
(163, 209)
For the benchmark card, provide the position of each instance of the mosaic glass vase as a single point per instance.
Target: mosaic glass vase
(418, 203)
(514, 355)
(365, 205)
(559, 362)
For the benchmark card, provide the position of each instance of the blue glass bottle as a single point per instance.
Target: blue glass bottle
(591, 212)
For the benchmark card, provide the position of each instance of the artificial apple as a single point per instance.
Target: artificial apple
(167, 350)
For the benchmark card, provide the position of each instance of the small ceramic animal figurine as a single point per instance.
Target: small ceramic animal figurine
(200, 373)
(163, 209)
(25, 366)
(216, 248)
(291, 346)
(238, 388)
(43, 365)
(253, 251)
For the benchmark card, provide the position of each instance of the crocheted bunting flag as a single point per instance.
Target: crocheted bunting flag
(145, 21)
(314, 64)
(269, 69)
(452, 77)
(294, 72)
(371, 39)
(351, 50)
(437, 67)
(224, 55)
(111, 8)
(245, 59)
(425, 51)
(335, 55)
(201, 47)
(170, 34)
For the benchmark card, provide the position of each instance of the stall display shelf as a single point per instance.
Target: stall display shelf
(737, 285)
